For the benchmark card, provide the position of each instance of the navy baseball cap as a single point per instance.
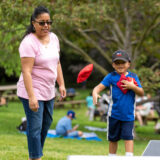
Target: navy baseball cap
(70, 112)
(121, 55)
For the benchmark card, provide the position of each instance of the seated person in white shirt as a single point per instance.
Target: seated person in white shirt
(144, 109)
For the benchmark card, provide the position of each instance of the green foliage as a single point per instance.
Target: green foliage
(15, 18)
(80, 13)
(150, 79)
(97, 27)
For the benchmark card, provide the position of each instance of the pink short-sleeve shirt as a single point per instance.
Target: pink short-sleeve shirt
(44, 71)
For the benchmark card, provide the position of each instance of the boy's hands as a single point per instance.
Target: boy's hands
(131, 85)
(95, 98)
(128, 84)
(96, 92)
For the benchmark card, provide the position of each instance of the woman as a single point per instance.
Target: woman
(41, 68)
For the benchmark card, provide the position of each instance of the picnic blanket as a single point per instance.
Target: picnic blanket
(90, 128)
(90, 136)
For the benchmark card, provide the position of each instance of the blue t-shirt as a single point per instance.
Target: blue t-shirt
(122, 105)
(63, 125)
(89, 101)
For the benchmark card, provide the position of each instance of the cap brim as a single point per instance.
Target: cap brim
(123, 59)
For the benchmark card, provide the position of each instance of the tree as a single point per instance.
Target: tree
(92, 29)
(122, 27)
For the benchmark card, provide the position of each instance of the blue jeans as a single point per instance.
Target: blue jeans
(38, 124)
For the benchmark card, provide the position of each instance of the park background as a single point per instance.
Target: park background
(89, 32)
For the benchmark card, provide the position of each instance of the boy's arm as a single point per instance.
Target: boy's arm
(96, 92)
(130, 85)
(139, 91)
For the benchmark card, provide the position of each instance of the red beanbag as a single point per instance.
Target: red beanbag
(119, 83)
(123, 77)
(134, 81)
(84, 73)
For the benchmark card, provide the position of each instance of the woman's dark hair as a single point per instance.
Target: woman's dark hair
(37, 11)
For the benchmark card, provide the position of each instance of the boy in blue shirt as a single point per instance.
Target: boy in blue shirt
(122, 105)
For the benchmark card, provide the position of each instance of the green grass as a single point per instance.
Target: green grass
(13, 145)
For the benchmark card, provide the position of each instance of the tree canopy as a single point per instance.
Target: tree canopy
(92, 30)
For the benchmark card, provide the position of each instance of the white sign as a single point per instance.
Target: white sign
(87, 157)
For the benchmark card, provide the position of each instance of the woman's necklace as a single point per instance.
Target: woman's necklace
(44, 41)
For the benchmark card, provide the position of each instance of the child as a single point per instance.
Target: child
(91, 107)
(122, 105)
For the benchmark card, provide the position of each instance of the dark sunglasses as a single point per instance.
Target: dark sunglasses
(42, 23)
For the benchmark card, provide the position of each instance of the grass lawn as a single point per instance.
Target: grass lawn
(13, 145)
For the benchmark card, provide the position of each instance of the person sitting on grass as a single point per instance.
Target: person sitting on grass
(144, 110)
(64, 126)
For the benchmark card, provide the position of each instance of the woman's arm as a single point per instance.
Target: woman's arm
(27, 65)
(60, 81)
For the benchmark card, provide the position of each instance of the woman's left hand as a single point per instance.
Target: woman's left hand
(62, 91)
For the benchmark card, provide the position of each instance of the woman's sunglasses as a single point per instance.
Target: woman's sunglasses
(42, 23)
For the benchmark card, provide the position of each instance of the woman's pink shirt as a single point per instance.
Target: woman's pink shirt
(44, 71)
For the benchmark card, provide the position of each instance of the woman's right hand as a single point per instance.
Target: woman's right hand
(33, 104)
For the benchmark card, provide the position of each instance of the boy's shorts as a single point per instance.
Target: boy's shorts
(120, 130)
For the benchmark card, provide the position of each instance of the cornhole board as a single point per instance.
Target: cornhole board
(87, 157)
(152, 149)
